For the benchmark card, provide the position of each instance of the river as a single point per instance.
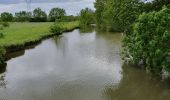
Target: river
(77, 66)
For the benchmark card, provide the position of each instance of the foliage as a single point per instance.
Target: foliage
(2, 26)
(149, 42)
(56, 14)
(158, 4)
(58, 28)
(99, 5)
(39, 16)
(86, 17)
(116, 15)
(6, 17)
(69, 18)
(22, 16)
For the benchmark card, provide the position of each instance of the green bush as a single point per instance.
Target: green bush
(149, 43)
(56, 28)
(5, 24)
(59, 27)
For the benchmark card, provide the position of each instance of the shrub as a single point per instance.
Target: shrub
(56, 28)
(149, 42)
(5, 24)
(59, 27)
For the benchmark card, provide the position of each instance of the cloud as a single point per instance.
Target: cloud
(34, 1)
(72, 7)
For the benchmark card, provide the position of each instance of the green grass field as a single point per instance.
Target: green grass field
(20, 33)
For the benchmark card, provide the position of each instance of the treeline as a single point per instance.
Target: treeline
(147, 30)
(38, 15)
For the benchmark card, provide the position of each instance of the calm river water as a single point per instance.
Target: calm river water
(77, 66)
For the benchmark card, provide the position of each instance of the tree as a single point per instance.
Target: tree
(149, 42)
(56, 14)
(6, 17)
(39, 15)
(158, 4)
(86, 17)
(99, 5)
(22, 16)
(116, 15)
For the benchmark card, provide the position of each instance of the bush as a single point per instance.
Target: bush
(59, 27)
(56, 28)
(149, 42)
(5, 24)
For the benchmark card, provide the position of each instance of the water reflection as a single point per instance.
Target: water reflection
(77, 66)
(74, 66)
(137, 85)
(86, 29)
(2, 76)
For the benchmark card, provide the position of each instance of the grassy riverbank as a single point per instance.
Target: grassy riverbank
(18, 34)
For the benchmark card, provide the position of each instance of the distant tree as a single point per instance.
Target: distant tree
(158, 4)
(86, 17)
(69, 18)
(6, 17)
(22, 16)
(56, 14)
(39, 15)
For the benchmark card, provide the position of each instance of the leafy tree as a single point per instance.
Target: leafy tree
(6, 17)
(56, 14)
(116, 15)
(99, 5)
(158, 4)
(86, 17)
(22, 16)
(39, 15)
(149, 42)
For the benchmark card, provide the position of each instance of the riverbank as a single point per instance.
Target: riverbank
(20, 35)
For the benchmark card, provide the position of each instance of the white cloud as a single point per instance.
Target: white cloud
(71, 7)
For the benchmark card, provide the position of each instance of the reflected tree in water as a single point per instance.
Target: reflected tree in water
(86, 29)
(2, 76)
(137, 85)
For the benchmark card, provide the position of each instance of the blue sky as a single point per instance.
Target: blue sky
(72, 7)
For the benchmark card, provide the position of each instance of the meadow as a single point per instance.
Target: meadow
(18, 34)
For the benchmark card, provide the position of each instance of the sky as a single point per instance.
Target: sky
(72, 7)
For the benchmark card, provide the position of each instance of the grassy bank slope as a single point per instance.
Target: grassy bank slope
(20, 33)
